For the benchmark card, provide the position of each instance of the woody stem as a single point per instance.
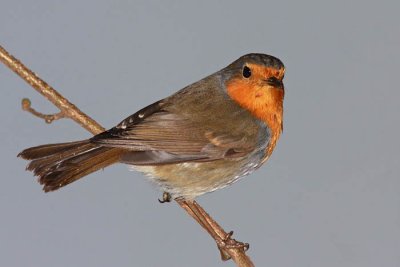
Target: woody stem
(229, 248)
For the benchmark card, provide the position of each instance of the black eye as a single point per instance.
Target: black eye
(246, 72)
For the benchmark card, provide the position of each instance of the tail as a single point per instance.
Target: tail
(57, 165)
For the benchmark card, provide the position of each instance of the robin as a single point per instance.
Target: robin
(202, 138)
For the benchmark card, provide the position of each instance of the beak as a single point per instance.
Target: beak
(275, 82)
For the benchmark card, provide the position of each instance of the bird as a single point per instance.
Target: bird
(204, 137)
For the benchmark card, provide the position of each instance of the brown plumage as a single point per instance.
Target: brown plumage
(60, 164)
(201, 138)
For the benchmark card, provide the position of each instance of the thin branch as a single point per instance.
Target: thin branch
(229, 247)
(48, 118)
(70, 110)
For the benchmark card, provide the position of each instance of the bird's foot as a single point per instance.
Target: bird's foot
(166, 197)
(229, 243)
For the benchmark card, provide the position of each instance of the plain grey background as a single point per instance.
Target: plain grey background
(330, 194)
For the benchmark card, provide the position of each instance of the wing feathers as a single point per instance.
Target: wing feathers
(164, 137)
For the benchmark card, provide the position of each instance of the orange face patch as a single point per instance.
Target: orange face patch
(256, 95)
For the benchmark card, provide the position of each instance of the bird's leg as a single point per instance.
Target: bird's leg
(223, 239)
(166, 197)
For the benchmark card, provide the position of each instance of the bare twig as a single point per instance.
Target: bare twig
(229, 247)
(48, 118)
(70, 110)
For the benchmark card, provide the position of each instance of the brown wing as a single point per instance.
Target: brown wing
(155, 135)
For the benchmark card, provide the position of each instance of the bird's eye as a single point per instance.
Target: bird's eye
(246, 72)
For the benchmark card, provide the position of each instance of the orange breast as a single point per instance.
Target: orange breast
(263, 101)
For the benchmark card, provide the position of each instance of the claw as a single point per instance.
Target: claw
(228, 235)
(165, 198)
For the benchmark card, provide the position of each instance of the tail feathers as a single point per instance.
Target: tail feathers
(57, 165)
